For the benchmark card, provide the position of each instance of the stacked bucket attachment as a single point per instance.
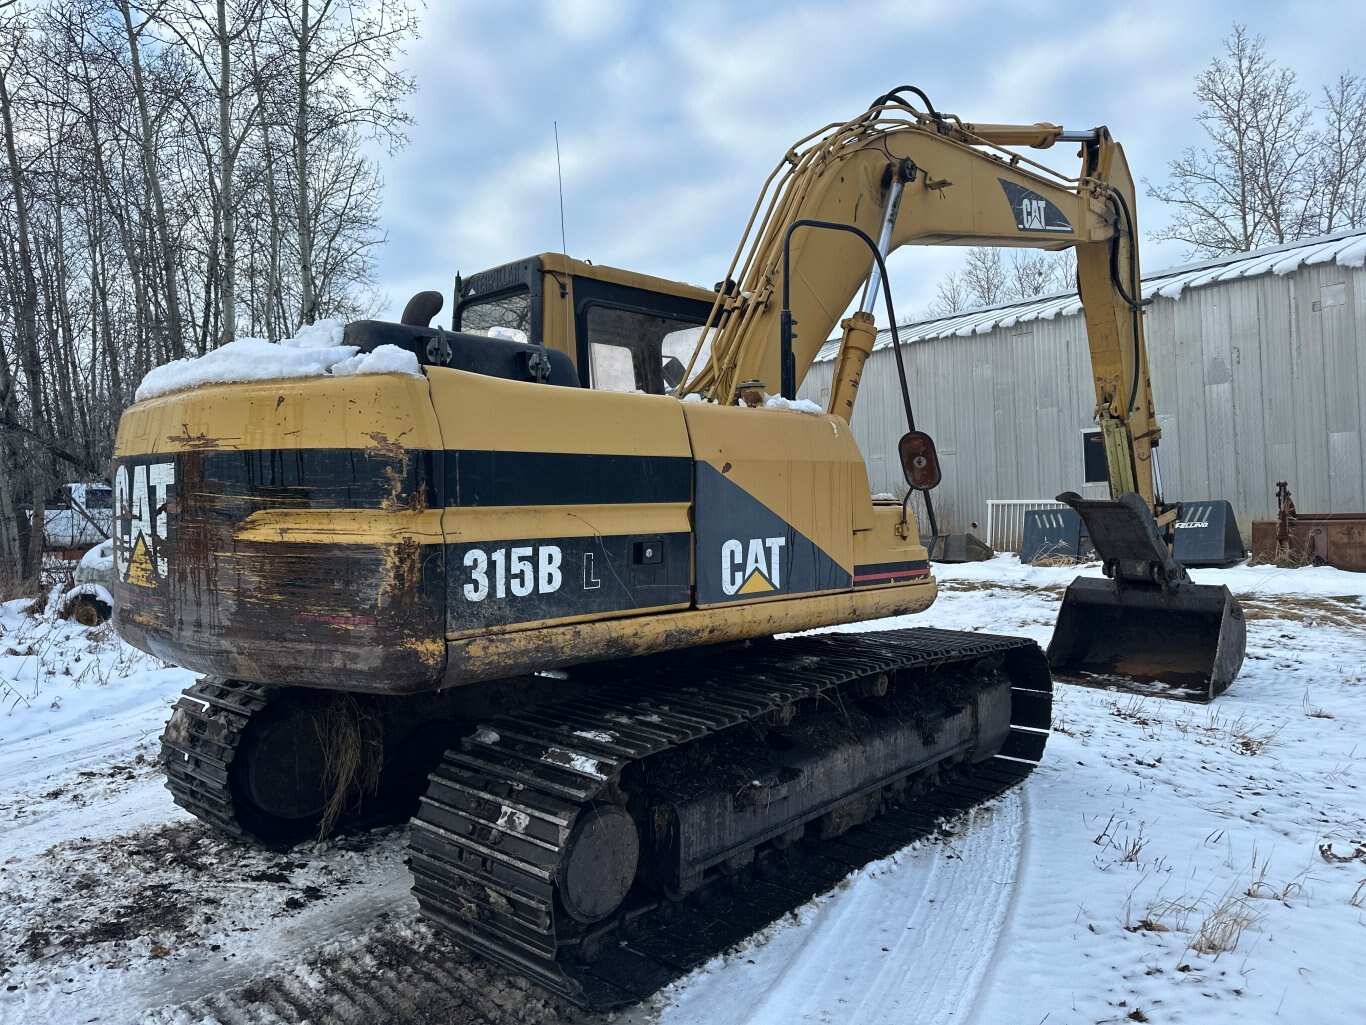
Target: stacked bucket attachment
(1147, 628)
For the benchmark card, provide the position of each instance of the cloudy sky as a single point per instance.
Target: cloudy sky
(672, 114)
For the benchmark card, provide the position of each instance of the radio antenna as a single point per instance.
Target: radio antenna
(559, 174)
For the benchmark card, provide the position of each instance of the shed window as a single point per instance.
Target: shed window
(1093, 457)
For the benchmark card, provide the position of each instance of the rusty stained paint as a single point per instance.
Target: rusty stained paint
(430, 650)
(401, 574)
(397, 474)
(194, 569)
(478, 658)
(198, 441)
(493, 655)
(394, 501)
(389, 448)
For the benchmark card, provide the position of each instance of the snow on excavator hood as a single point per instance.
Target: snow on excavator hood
(314, 351)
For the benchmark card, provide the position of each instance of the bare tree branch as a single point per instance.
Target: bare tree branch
(1270, 174)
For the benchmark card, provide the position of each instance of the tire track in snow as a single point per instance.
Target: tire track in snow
(909, 938)
(403, 973)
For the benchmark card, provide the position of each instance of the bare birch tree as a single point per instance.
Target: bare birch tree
(174, 327)
(1340, 166)
(223, 43)
(345, 78)
(151, 197)
(23, 290)
(1271, 173)
(988, 278)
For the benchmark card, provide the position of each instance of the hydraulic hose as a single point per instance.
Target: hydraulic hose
(1135, 305)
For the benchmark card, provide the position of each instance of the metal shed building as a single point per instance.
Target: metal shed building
(1258, 368)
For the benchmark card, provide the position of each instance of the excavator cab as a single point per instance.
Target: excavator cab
(1148, 624)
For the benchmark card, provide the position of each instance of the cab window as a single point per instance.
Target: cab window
(627, 348)
(504, 315)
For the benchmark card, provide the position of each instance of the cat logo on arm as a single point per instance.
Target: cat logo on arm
(141, 523)
(1032, 211)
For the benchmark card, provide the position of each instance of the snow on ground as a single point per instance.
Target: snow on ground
(1174, 862)
(1168, 862)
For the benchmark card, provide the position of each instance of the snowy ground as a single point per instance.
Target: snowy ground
(1168, 862)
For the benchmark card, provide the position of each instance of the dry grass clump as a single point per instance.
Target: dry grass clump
(1337, 611)
(1216, 926)
(1358, 899)
(1135, 710)
(1220, 930)
(1314, 711)
(1284, 557)
(1054, 556)
(1260, 889)
(1167, 915)
(1053, 561)
(1239, 733)
(352, 740)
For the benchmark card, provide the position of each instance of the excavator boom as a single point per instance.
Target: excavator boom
(907, 177)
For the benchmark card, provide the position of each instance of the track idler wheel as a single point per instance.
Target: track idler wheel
(278, 775)
(296, 765)
(599, 863)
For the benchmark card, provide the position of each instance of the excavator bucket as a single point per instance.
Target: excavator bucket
(1148, 628)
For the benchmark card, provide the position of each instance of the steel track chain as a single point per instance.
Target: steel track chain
(489, 835)
(199, 744)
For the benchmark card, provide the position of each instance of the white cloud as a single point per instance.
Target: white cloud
(671, 115)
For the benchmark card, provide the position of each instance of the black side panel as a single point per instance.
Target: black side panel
(499, 583)
(745, 550)
(482, 478)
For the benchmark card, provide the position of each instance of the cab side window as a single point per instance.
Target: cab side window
(627, 348)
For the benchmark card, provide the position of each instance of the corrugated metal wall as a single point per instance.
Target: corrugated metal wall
(1256, 380)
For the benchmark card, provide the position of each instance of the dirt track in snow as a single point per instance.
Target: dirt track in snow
(172, 924)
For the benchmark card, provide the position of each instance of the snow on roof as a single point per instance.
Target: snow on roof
(1346, 248)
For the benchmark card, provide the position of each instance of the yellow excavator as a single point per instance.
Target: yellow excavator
(533, 589)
